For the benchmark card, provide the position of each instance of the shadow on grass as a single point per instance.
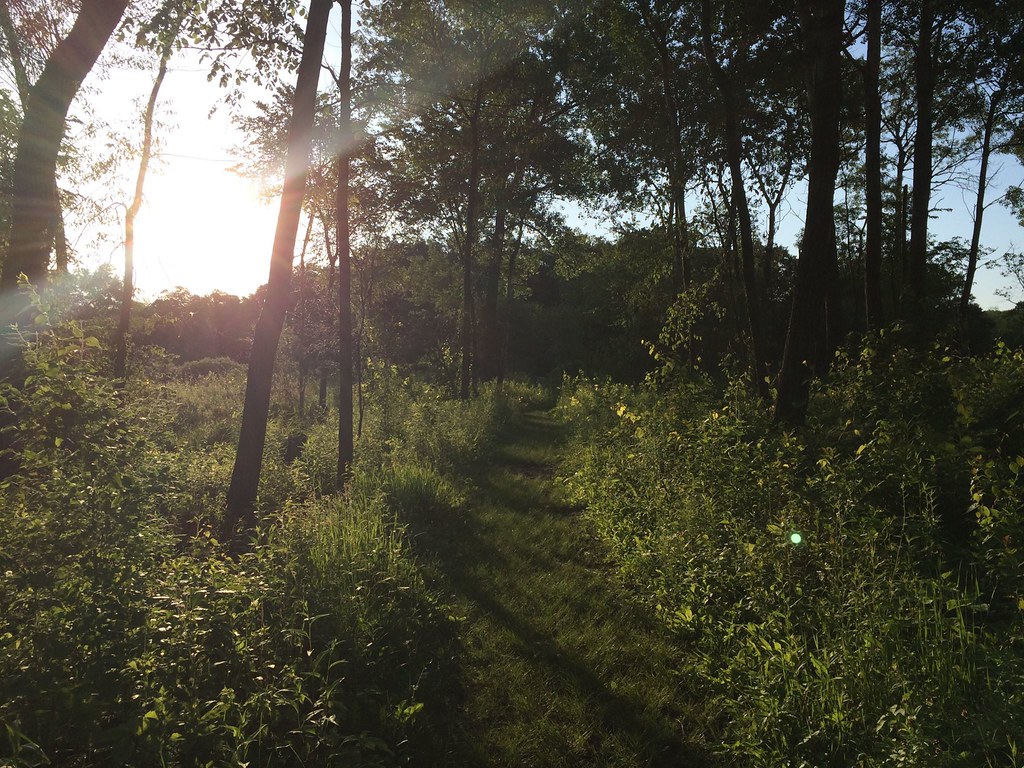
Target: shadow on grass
(558, 666)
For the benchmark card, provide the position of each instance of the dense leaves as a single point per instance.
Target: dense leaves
(848, 593)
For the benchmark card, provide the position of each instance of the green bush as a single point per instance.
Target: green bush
(211, 366)
(828, 589)
(196, 414)
(122, 642)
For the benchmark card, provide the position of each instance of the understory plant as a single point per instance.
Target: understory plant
(128, 637)
(849, 594)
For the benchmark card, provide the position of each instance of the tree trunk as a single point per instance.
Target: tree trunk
(245, 477)
(509, 296)
(681, 232)
(332, 270)
(365, 295)
(902, 204)
(300, 322)
(128, 283)
(360, 405)
(33, 217)
(472, 193)
(734, 156)
(668, 71)
(773, 199)
(767, 265)
(921, 200)
(873, 169)
(821, 22)
(979, 209)
(341, 212)
(489, 334)
(61, 253)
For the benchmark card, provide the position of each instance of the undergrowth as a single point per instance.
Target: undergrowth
(849, 594)
(126, 634)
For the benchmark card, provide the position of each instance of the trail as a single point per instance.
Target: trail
(560, 667)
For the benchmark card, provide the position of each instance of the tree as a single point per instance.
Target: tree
(924, 77)
(633, 59)
(341, 213)
(20, 61)
(240, 512)
(168, 39)
(873, 167)
(807, 342)
(734, 157)
(999, 85)
(33, 215)
(461, 88)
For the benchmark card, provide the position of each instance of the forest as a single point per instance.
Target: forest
(626, 385)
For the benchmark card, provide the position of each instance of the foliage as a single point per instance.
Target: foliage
(121, 642)
(848, 594)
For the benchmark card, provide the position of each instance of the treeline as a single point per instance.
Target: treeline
(463, 129)
(472, 125)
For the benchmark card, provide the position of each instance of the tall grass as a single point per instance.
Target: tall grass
(833, 597)
(126, 635)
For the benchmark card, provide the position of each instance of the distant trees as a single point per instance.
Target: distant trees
(472, 99)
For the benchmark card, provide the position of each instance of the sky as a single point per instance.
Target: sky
(205, 228)
(202, 226)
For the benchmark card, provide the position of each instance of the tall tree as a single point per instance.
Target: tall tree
(33, 219)
(806, 352)
(873, 167)
(467, 335)
(341, 212)
(245, 477)
(999, 84)
(169, 38)
(920, 204)
(734, 157)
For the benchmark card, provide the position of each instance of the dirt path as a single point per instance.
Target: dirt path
(560, 668)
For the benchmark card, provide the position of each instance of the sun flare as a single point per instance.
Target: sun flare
(203, 228)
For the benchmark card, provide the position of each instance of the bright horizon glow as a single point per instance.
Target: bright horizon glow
(201, 227)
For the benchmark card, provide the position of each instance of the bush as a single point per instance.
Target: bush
(815, 579)
(123, 643)
(211, 366)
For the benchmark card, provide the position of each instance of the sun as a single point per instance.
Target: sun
(202, 228)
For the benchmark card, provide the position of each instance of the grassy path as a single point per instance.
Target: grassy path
(559, 668)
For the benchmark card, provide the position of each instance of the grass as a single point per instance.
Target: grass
(559, 666)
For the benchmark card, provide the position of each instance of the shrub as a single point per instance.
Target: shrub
(211, 366)
(121, 643)
(812, 578)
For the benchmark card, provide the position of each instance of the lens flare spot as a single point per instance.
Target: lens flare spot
(796, 538)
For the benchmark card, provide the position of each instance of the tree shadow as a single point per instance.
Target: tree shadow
(474, 554)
